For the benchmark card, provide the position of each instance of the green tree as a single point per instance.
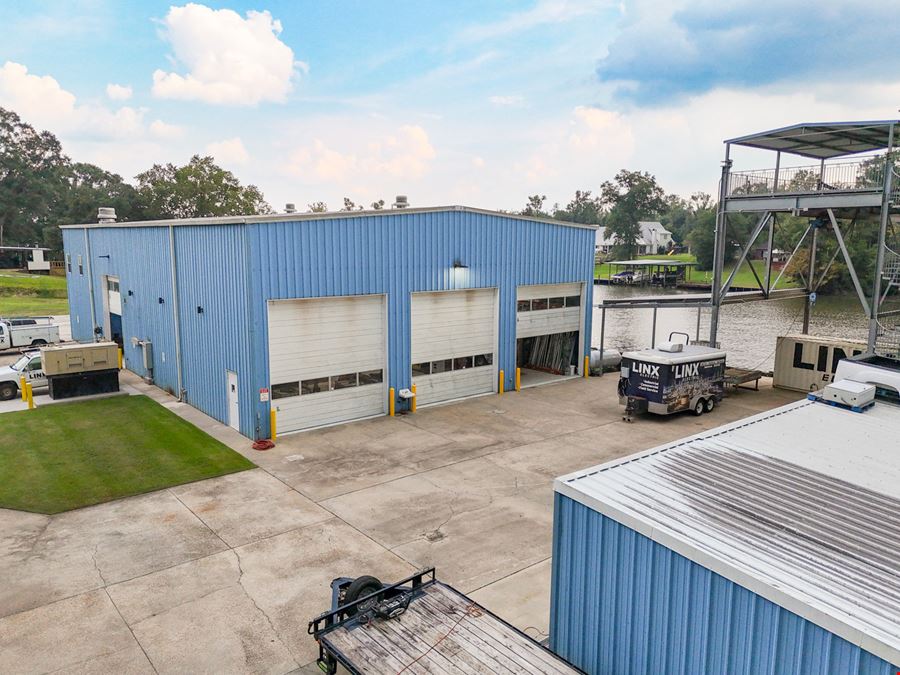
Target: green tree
(582, 209)
(317, 207)
(31, 166)
(378, 206)
(199, 188)
(535, 206)
(631, 196)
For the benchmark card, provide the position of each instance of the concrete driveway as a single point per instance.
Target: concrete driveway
(222, 575)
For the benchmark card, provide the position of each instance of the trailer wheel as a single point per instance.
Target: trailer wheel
(699, 407)
(710, 404)
(8, 391)
(38, 343)
(359, 588)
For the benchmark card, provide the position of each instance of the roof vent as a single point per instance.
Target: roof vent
(402, 202)
(106, 214)
(290, 207)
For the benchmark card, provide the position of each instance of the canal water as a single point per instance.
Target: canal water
(747, 331)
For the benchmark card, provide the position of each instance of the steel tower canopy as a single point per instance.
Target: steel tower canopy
(822, 140)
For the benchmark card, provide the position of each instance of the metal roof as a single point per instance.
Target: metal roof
(330, 215)
(799, 505)
(823, 140)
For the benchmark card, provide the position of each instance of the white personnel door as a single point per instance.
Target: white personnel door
(548, 309)
(234, 410)
(454, 338)
(327, 360)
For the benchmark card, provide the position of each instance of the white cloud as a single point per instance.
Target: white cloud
(403, 154)
(228, 151)
(229, 59)
(165, 131)
(543, 13)
(42, 102)
(513, 100)
(478, 162)
(118, 92)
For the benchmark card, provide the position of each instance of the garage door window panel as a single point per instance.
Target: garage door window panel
(343, 381)
(484, 360)
(523, 306)
(573, 301)
(442, 366)
(314, 386)
(462, 362)
(371, 377)
(538, 304)
(285, 390)
(421, 369)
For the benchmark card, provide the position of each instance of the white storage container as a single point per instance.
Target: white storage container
(807, 362)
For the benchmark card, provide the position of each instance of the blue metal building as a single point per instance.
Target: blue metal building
(766, 546)
(319, 316)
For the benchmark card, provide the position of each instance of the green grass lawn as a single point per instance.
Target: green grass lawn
(68, 455)
(23, 294)
(743, 279)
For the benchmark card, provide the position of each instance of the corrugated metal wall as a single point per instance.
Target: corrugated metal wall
(622, 603)
(399, 254)
(139, 257)
(232, 270)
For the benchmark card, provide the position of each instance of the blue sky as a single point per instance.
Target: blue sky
(479, 103)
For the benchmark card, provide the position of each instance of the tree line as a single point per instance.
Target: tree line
(42, 188)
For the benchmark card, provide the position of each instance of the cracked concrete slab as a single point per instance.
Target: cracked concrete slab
(289, 575)
(81, 634)
(522, 599)
(98, 545)
(247, 506)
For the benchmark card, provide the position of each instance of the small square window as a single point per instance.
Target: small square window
(538, 304)
(370, 377)
(343, 381)
(484, 360)
(314, 386)
(573, 301)
(285, 390)
(462, 362)
(442, 366)
(523, 306)
(557, 303)
(421, 368)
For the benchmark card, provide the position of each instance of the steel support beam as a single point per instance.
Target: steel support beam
(807, 308)
(882, 235)
(850, 268)
(719, 246)
(770, 246)
(761, 223)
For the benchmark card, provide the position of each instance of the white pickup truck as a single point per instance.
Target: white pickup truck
(28, 332)
(28, 366)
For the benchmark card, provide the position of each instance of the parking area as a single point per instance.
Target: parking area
(222, 575)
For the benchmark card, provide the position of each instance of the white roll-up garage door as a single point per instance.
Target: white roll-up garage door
(548, 309)
(454, 338)
(327, 360)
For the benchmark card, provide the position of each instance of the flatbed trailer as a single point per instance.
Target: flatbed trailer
(421, 625)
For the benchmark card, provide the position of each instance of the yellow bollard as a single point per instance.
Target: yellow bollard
(391, 402)
(23, 386)
(30, 396)
(518, 379)
(273, 429)
(120, 358)
(500, 389)
(587, 366)
(412, 401)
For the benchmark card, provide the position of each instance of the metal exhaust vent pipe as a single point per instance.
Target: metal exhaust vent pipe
(401, 202)
(106, 214)
(290, 207)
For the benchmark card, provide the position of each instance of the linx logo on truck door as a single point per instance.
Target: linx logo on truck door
(646, 369)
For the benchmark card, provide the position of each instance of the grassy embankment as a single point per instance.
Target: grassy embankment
(743, 279)
(23, 294)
